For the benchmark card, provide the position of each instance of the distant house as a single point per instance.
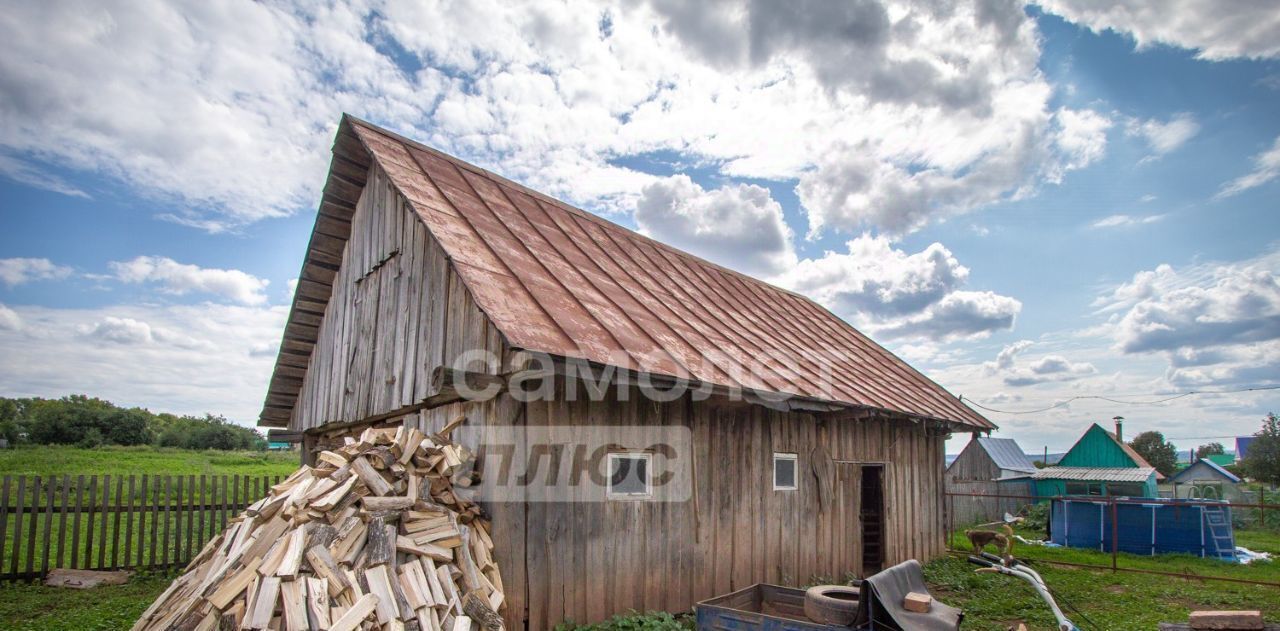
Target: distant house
(1242, 446)
(1100, 463)
(990, 459)
(1205, 479)
(986, 467)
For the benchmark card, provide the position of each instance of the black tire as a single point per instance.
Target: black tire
(831, 604)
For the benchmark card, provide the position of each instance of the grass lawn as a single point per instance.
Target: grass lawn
(56, 460)
(1120, 600)
(36, 607)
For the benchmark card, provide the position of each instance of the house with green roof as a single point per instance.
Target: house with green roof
(1101, 464)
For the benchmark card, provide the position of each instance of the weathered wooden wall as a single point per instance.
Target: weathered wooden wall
(973, 463)
(589, 560)
(398, 310)
(982, 510)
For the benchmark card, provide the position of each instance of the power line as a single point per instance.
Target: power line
(1112, 399)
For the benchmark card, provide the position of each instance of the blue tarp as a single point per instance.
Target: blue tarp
(1152, 527)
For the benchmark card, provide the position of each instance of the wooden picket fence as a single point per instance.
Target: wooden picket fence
(105, 522)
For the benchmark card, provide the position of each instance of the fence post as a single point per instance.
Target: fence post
(17, 525)
(31, 532)
(88, 534)
(1115, 535)
(4, 519)
(48, 525)
(62, 519)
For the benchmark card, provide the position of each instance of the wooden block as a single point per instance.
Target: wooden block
(390, 503)
(380, 544)
(478, 610)
(264, 604)
(1234, 620)
(318, 602)
(461, 623)
(293, 552)
(293, 596)
(917, 602)
(371, 478)
(431, 551)
(333, 458)
(229, 589)
(433, 581)
(326, 568)
(352, 617)
(380, 586)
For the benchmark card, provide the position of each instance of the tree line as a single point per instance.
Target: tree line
(85, 421)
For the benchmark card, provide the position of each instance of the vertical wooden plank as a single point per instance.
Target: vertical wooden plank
(4, 516)
(192, 544)
(222, 504)
(87, 559)
(201, 512)
(117, 507)
(142, 520)
(31, 527)
(153, 510)
(128, 522)
(164, 517)
(47, 548)
(102, 521)
(62, 520)
(77, 505)
(17, 524)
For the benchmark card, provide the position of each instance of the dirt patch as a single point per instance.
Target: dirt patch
(1117, 589)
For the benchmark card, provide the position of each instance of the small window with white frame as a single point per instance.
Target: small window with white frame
(784, 472)
(629, 473)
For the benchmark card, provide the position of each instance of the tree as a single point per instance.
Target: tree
(1262, 461)
(1156, 450)
(1212, 449)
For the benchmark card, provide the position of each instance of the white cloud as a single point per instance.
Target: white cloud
(893, 293)
(182, 358)
(124, 331)
(1164, 137)
(27, 173)
(1207, 319)
(739, 226)
(1216, 30)
(17, 271)
(944, 110)
(1048, 368)
(181, 279)
(1121, 221)
(1004, 360)
(1266, 168)
(9, 320)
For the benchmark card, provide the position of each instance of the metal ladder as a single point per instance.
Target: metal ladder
(1220, 533)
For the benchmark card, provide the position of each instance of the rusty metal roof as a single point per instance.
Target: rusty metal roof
(558, 280)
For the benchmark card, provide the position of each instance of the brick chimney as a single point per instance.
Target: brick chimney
(1119, 428)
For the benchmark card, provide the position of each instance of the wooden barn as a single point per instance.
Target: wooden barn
(986, 459)
(826, 458)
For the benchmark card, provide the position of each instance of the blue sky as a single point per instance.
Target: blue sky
(1029, 203)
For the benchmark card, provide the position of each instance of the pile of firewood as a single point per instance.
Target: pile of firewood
(372, 537)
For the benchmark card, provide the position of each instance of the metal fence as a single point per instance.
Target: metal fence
(105, 522)
(954, 501)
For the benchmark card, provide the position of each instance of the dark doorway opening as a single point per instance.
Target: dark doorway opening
(872, 517)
